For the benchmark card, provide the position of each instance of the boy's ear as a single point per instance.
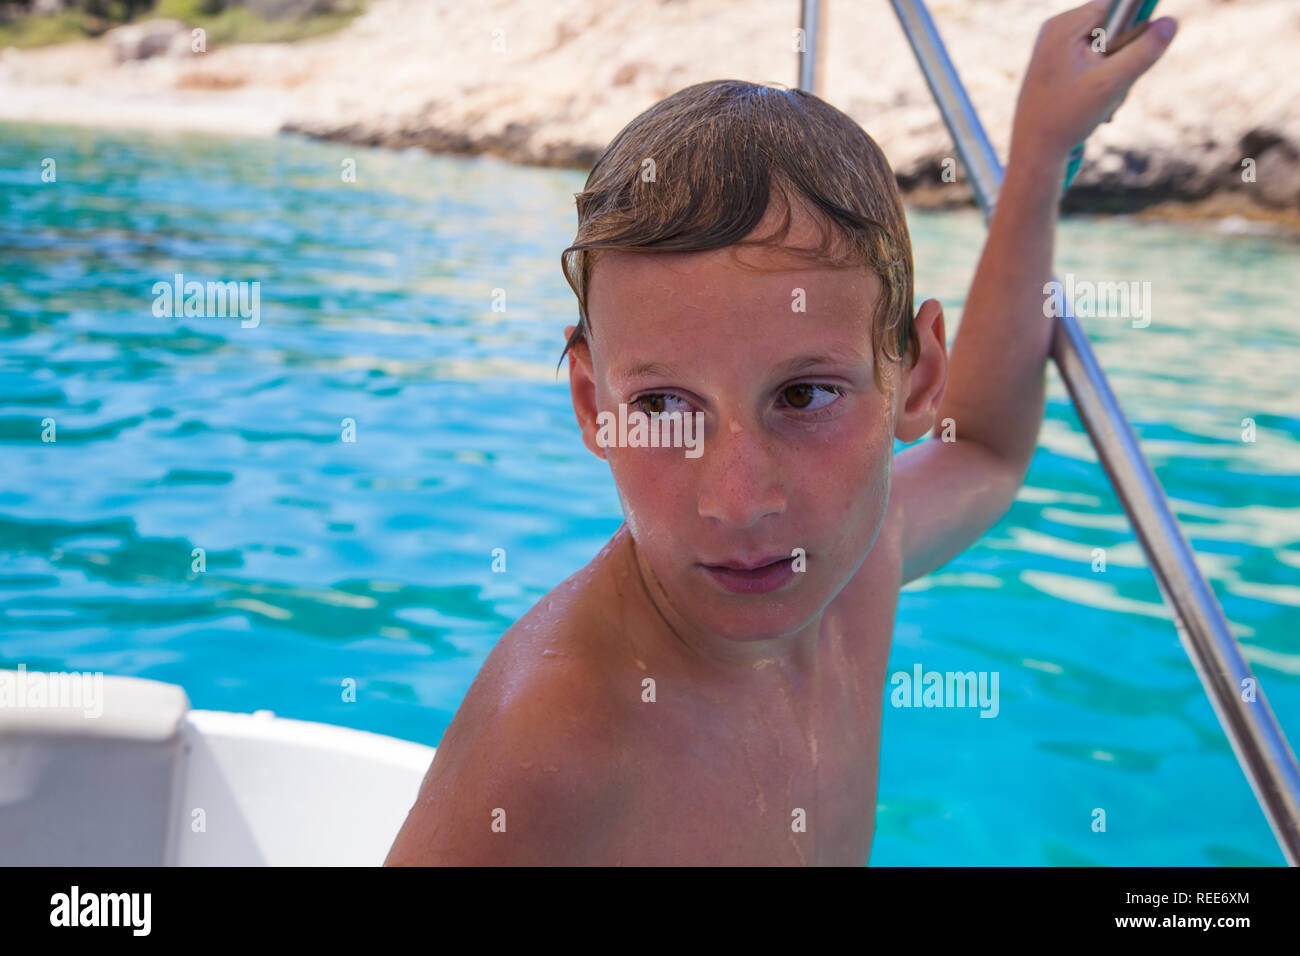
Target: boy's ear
(920, 388)
(582, 386)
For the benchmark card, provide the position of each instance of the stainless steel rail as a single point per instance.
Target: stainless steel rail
(1243, 711)
(810, 19)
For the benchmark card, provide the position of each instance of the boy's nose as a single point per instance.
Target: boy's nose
(740, 479)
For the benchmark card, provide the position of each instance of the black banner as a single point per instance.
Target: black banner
(328, 906)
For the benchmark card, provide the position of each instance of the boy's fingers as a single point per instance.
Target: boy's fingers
(1138, 55)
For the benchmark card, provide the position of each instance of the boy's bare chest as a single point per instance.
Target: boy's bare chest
(781, 780)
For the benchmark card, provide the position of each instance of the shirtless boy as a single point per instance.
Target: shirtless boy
(708, 690)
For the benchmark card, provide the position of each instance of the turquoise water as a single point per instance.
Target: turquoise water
(371, 560)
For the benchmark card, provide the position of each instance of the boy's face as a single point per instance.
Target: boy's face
(797, 440)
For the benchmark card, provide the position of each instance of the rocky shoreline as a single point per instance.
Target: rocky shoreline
(1213, 131)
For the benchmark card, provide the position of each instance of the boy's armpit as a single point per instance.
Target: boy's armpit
(945, 496)
(517, 791)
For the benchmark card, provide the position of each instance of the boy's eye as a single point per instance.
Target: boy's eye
(657, 403)
(808, 397)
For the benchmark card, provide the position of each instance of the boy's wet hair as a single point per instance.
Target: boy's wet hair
(721, 150)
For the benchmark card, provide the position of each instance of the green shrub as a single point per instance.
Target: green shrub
(226, 21)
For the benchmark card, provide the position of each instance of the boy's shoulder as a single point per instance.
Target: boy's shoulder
(529, 768)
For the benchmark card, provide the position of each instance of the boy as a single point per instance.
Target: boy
(708, 689)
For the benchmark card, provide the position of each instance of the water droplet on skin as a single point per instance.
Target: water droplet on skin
(550, 653)
(525, 765)
(550, 768)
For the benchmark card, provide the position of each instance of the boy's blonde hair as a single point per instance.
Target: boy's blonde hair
(697, 169)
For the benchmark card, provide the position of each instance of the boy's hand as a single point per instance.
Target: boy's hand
(1068, 88)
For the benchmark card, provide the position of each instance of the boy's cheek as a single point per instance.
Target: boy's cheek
(851, 501)
(650, 486)
(643, 484)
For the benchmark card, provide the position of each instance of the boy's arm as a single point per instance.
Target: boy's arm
(949, 493)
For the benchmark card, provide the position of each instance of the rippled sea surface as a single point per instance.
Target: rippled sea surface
(372, 559)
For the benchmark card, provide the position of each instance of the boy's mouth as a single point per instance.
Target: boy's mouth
(751, 577)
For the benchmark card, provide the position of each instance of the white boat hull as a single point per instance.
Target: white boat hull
(150, 782)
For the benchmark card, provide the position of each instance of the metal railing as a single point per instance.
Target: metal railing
(1243, 711)
(814, 27)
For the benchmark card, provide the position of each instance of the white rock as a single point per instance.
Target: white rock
(139, 41)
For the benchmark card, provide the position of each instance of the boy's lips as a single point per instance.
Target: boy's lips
(751, 576)
(746, 564)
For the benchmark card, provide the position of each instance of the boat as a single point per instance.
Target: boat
(106, 770)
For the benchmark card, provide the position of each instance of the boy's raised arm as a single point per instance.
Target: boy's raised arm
(995, 392)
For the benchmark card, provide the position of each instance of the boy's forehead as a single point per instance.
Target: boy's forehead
(776, 279)
(759, 303)
(661, 319)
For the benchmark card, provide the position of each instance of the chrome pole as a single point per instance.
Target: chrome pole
(810, 20)
(1243, 711)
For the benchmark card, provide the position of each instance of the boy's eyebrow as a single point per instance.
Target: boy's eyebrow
(645, 369)
(834, 356)
(841, 355)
